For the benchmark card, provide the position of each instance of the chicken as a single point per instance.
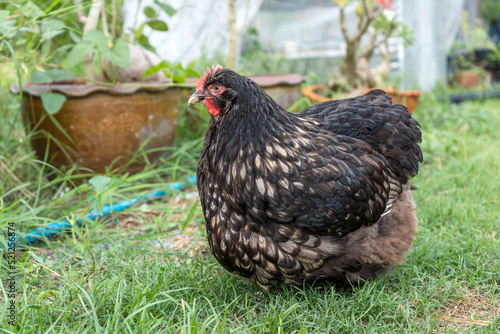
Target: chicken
(318, 197)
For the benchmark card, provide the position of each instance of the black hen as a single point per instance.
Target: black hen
(318, 197)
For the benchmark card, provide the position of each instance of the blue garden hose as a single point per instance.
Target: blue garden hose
(39, 233)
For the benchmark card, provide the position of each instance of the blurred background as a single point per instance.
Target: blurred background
(307, 37)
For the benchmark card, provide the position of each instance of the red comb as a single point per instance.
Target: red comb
(201, 82)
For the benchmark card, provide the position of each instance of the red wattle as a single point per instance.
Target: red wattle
(211, 108)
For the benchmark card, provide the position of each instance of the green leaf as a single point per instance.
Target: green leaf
(158, 25)
(155, 68)
(100, 182)
(95, 202)
(191, 72)
(166, 8)
(57, 74)
(7, 29)
(144, 42)
(52, 102)
(52, 28)
(75, 37)
(31, 10)
(190, 215)
(3, 15)
(36, 258)
(179, 78)
(118, 182)
(45, 293)
(179, 74)
(119, 54)
(97, 38)
(139, 30)
(40, 78)
(16, 65)
(76, 55)
(149, 12)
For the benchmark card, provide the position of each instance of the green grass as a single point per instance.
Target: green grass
(122, 274)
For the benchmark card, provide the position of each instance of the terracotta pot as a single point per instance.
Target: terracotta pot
(467, 79)
(407, 98)
(106, 125)
(311, 92)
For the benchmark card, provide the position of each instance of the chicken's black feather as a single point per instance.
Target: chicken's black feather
(284, 195)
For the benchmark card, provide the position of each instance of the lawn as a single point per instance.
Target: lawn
(148, 269)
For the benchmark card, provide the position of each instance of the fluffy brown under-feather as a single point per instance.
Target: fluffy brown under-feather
(377, 247)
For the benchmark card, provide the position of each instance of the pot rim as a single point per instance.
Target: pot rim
(82, 90)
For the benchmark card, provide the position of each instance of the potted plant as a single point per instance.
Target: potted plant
(494, 62)
(375, 25)
(466, 72)
(109, 100)
(470, 59)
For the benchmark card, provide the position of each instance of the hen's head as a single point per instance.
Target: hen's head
(217, 88)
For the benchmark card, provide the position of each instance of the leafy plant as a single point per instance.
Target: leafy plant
(494, 56)
(474, 37)
(464, 62)
(176, 71)
(153, 22)
(32, 38)
(377, 21)
(85, 38)
(52, 101)
(490, 10)
(101, 46)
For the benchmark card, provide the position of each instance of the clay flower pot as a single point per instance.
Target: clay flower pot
(408, 98)
(467, 79)
(103, 126)
(311, 92)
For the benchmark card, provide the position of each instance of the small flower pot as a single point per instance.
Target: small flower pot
(408, 98)
(312, 93)
(467, 79)
(101, 127)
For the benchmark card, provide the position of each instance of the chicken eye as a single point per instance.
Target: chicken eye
(216, 89)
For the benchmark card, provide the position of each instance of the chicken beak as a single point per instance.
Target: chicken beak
(196, 97)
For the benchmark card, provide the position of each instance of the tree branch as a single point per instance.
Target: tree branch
(113, 18)
(343, 25)
(373, 44)
(136, 16)
(79, 12)
(370, 16)
(233, 35)
(93, 18)
(105, 29)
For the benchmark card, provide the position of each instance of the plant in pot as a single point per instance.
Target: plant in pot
(469, 59)
(121, 101)
(467, 73)
(376, 23)
(494, 60)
